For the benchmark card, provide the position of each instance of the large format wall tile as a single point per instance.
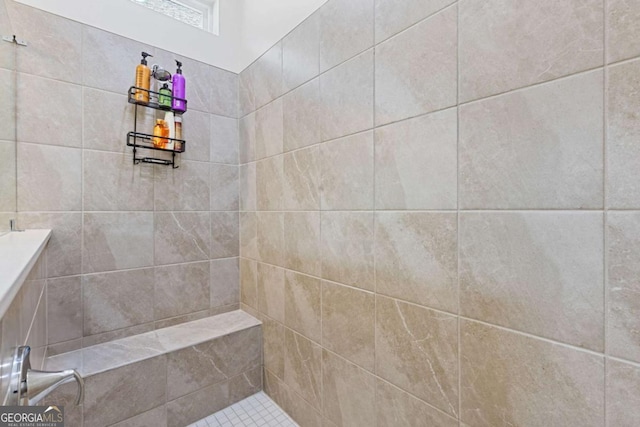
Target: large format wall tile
(224, 282)
(196, 130)
(425, 80)
(197, 405)
(246, 95)
(303, 372)
(623, 285)
(623, 394)
(271, 291)
(347, 248)
(112, 183)
(248, 201)
(181, 237)
(109, 61)
(270, 237)
(508, 378)
(417, 350)
(393, 16)
(266, 76)
(534, 149)
(64, 309)
(7, 50)
(121, 393)
(117, 300)
(623, 131)
(348, 323)
(269, 130)
(302, 297)
(247, 138)
(59, 59)
(8, 176)
(249, 235)
(224, 187)
(396, 407)
(348, 392)
(346, 29)
(302, 109)
(416, 163)
(156, 417)
(8, 92)
(623, 18)
(64, 250)
(346, 94)
(302, 242)
(416, 258)
(538, 272)
(248, 283)
(98, 133)
(49, 178)
(181, 289)
(274, 347)
(224, 92)
(300, 53)
(48, 111)
(346, 170)
(301, 180)
(224, 235)
(506, 45)
(224, 140)
(202, 365)
(183, 189)
(269, 183)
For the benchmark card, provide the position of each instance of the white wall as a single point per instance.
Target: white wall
(247, 27)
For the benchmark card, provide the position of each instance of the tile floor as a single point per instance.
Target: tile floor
(256, 411)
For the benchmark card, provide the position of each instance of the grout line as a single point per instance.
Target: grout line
(605, 172)
(375, 227)
(459, 415)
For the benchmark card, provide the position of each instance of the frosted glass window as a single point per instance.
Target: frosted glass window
(192, 12)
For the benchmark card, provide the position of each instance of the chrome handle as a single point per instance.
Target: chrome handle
(41, 383)
(29, 386)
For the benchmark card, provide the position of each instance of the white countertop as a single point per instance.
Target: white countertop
(19, 252)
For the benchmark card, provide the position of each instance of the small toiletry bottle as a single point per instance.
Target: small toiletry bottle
(164, 99)
(158, 134)
(178, 122)
(143, 80)
(179, 90)
(168, 119)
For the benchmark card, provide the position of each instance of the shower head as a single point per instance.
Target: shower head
(160, 73)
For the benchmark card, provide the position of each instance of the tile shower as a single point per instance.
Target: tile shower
(431, 206)
(437, 213)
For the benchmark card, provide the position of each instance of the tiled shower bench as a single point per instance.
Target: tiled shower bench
(171, 376)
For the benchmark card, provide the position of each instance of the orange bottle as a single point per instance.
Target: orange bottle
(143, 80)
(160, 133)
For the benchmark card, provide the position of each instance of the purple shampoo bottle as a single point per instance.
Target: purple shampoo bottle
(179, 91)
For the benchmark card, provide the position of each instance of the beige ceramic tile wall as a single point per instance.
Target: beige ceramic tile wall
(8, 127)
(133, 247)
(440, 213)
